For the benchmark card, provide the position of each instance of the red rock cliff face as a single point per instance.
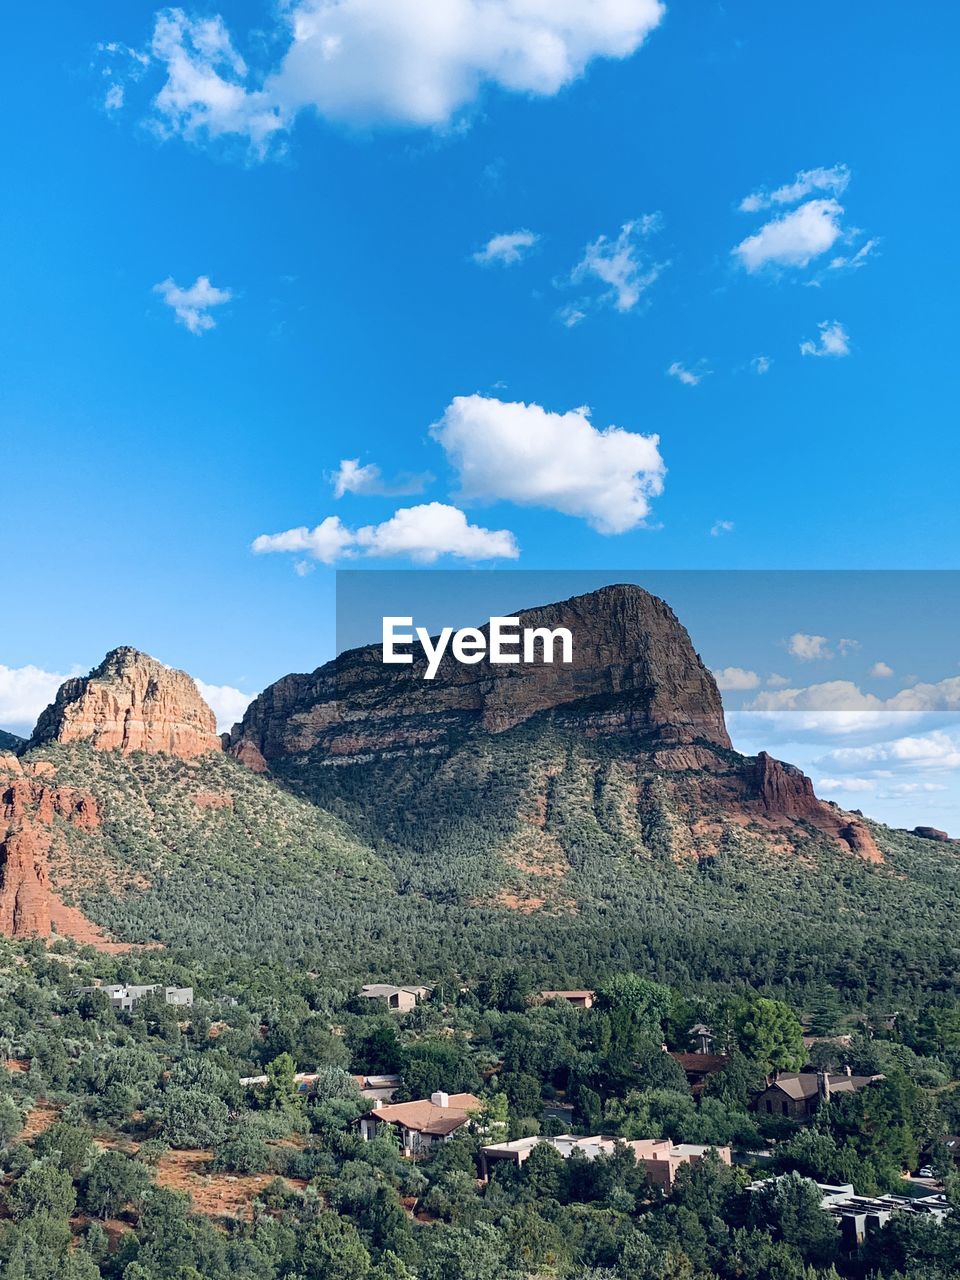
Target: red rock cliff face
(635, 678)
(29, 804)
(630, 654)
(131, 702)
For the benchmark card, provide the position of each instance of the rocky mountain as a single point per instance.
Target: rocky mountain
(637, 702)
(10, 742)
(131, 702)
(572, 819)
(123, 809)
(30, 805)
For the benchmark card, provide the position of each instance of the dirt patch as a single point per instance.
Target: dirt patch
(213, 800)
(217, 1195)
(38, 1121)
(527, 903)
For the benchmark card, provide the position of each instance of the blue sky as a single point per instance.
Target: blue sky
(315, 213)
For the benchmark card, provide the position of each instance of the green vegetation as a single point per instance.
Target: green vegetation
(117, 1101)
(408, 883)
(275, 910)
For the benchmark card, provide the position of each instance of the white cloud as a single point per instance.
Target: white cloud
(207, 91)
(775, 681)
(192, 306)
(730, 679)
(228, 704)
(720, 527)
(410, 62)
(856, 260)
(794, 239)
(417, 62)
(689, 377)
(847, 646)
(832, 786)
(806, 182)
(808, 648)
(526, 454)
(833, 341)
(506, 249)
(761, 364)
(24, 692)
(621, 264)
(839, 708)
(914, 788)
(435, 529)
(424, 533)
(326, 542)
(368, 480)
(571, 315)
(937, 750)
(113, 98)
(881, 671)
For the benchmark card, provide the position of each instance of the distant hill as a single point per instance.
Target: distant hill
(10, 741)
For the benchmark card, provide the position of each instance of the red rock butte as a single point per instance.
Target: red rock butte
(129, 703)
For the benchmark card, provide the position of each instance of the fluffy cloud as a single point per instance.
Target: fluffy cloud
(621, 264)
(410, 62)
(368, 480)
(881, 671)
(834, 786)
(424, 533)
(228, 704)
(794, 239)
(720, 527)
(808, 181)
(24, 692)
(730, 679)
(808, 648)
(206, 92)
(192, 306)
(833, 341)
(326, 542)
(761, 364)
(937, 750)
(526, 454)
(839, 708)
(506, 249)
(689, 377)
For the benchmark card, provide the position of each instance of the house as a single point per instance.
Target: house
(125, 996)
(400, 999)
(660, 1157)
(305, 1081)
(699, 1067)
(860, 1216)
(702, 1038)
(797, 1094)
(842, 1041)
(421, 1125)
(579, 999)
(378, 1088)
